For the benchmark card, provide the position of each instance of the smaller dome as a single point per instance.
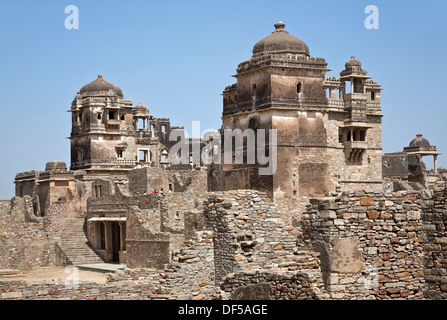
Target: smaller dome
(353, 67)
(353, 62)
(56, 166)
(419, 141)
(100, 87)
(140, 105)
(140, 110)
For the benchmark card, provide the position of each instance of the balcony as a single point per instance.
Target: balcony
(113, 122)
(355, 96)
(104, 163)
(355, 144)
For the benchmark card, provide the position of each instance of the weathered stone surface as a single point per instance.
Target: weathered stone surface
(366, 201)
(373, 214)
(345, 256)
(259, 291)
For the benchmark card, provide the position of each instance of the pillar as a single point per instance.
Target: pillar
(122, 226)
(435, 163)
(108, 236)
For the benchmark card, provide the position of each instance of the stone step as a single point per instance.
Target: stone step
(84, 252)
(74, 244)
(10, 273)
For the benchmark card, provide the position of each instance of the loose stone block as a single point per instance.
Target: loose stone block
(366, 201)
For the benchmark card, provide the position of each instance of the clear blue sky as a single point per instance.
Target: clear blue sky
(177, 56)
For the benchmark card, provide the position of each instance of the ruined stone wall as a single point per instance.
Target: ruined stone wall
(257, 285)
(370, 244)
(191, 273)
(361, 245)
(25, 183)
(251, 244)
(146, 179)
(130, 285)
(190, 276)
(188, 180)
(434, 220)
(182, 216)
(149, 178)
(5, 207)
(24, 242)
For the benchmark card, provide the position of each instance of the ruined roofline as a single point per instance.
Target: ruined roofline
(24, 174)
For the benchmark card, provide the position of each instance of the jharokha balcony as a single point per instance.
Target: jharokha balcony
(103, 163)
(355, 144)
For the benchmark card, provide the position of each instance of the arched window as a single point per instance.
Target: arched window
(299, 87)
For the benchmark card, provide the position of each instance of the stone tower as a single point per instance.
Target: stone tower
(101, 122)
(109, 134)
(328, 128)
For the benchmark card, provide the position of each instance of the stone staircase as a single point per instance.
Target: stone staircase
(74, 244)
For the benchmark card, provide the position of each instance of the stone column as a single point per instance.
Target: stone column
(122, 236)
(107, 236)
(435, 163)
(96, 227)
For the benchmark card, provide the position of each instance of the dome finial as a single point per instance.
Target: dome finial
(99, 75)
(279, 25)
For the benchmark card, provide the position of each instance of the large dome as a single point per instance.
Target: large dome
(100, 87)
(280, 41)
